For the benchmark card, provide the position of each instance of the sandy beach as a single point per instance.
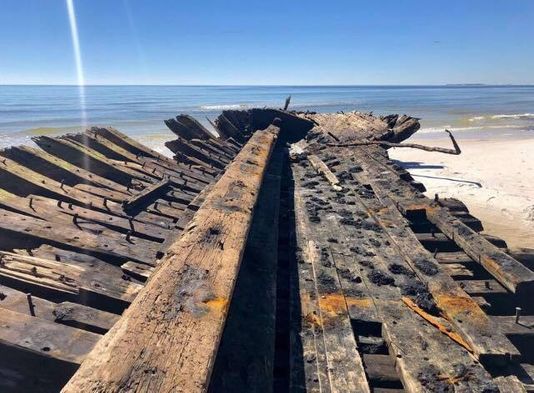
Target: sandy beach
(494, 177)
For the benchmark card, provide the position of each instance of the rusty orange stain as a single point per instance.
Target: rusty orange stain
(359, 302)
(313, 319)
(337, 303)
(333, 303)
(456, 305)
(217, 304)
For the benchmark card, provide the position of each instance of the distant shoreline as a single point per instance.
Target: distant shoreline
(429, 86)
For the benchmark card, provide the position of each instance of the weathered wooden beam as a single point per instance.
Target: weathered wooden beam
(14, 300)
(216, 147)
(148, 194)
(471, 322)
(65, 280)
(482, 287)
(200, 269)
(365, 256)
(83, 317)
(138, 271)
(145, 155)
(45, 338)
(509, 272)
(48, 209)
(22, 181)
(332, 319)
(192, 154)
(48, 165)
(508, 325)
(245, 360)
(24, 230)
(130, 144)
(227, 128)
(195, 126)
(79, 155)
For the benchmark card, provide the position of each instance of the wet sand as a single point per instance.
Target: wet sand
(494, 177)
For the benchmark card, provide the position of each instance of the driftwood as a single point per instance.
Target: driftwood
(455, 151)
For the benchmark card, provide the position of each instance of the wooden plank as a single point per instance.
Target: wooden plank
(146, 195)
(245, 360)
(22, 181)
(129, 144)
(482, 287)
(402, 328)
(215, 147)
(188, 153)
(458, 271)
(148, 155)
(195, 126)
(172, 170)
(44, 275)
(95, 221)
(453, 257)
(201, 269)
(117, 153)
(17, 227)
(14, 300)
(508, 271)
(381, 369)
(83, 317)
(323, 169)
(466, 316)
(508, 325)
(344, 365)
(139, 271)
(84, 157)
(65, 169)
(45, 338)
(510, 384)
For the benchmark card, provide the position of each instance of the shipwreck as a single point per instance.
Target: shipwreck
(281, 251)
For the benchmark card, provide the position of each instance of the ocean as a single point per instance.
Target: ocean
(139, 111)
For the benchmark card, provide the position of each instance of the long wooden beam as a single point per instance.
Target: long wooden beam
(168, 338)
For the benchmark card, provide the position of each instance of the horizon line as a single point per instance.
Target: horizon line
(273, 85)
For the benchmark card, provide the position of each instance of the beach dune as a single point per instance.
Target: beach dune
(494, 177)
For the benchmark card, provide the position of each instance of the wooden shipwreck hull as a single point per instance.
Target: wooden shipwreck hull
(288, 253)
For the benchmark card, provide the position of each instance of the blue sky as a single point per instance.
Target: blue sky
(270, 42)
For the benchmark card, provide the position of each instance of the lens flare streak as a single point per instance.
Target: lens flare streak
(78, 59)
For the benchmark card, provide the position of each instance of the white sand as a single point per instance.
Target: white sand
(494, 177)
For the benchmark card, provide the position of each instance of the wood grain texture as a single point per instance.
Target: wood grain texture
(167, 340)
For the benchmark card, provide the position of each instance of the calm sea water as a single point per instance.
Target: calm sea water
(139, 111)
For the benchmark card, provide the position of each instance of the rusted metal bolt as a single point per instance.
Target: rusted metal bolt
(517, 314)
(30, 304)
